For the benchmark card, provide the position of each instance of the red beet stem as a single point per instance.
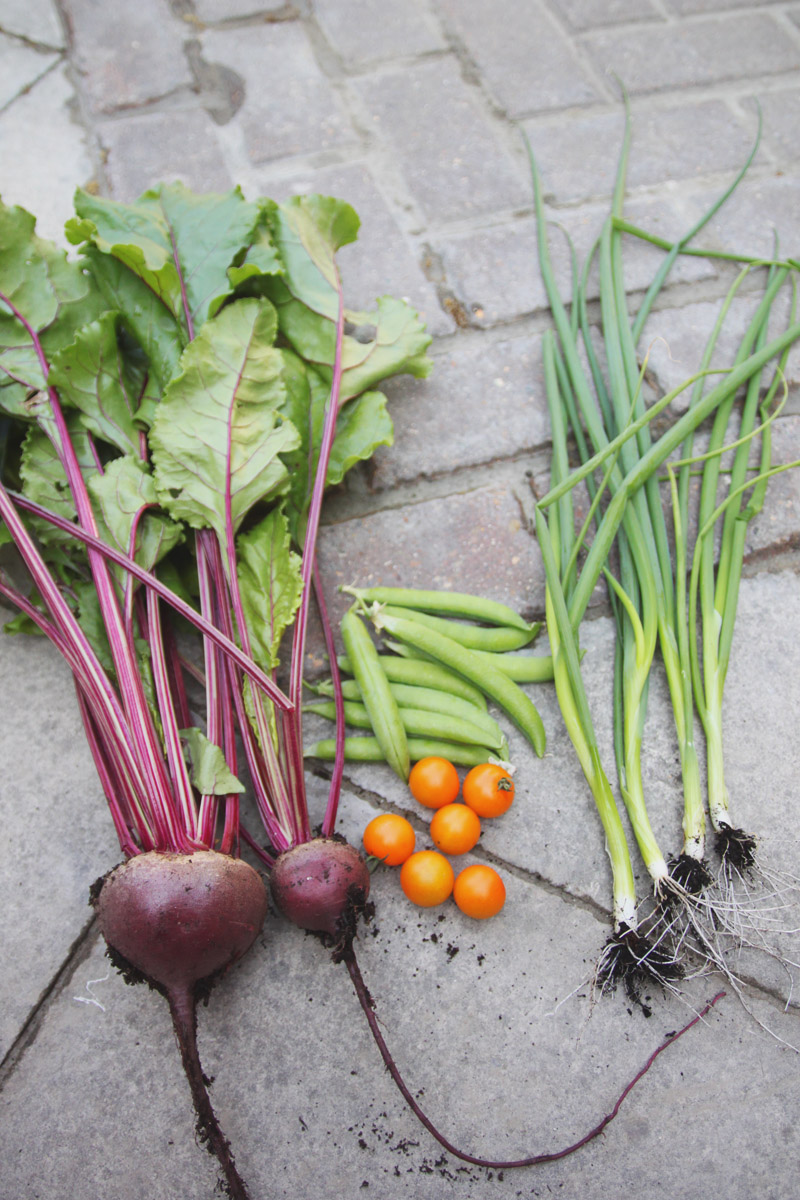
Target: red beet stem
(183, 1009)
(497, 1164)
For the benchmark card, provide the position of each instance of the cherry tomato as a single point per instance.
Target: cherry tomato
(455, 829)
(434, 782)
(390, 838)
(426, 878)
(488, 790)
(479, 891)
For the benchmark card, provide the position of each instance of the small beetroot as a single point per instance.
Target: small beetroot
(322, 886)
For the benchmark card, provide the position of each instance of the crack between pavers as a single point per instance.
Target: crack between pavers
(27, 88)
(76, 954)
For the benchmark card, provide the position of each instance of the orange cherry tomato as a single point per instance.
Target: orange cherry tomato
(455, 829)
(488, 790)
(479, 891)
(434, 782)
(426, 878)
(390, 838)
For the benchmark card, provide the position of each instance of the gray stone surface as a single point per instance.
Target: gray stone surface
(57, 837)
(780, 110)
(658, 58)
(46, 153)
(35, 20)
(587, 14)
(366, 30)
(299, 112)
(126, 54)
(143, 150)
(439, 544)
(494, 1024)
(482, 265)
(20, 67)
(672, 142)
(451, 156)
(536, 69)
(485, 402)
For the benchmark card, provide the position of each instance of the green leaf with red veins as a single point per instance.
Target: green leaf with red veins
(219, 430)
(307, 231)
(123, 498)
(179, 244)
(91, 375)
(55, 296)
(270, 584)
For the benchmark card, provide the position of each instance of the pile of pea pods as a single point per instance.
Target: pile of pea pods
(425, 694)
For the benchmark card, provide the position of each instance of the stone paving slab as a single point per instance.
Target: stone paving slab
(54, 814)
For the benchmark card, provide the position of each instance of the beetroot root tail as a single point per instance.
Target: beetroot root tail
(365, 1000)
(183, 1009)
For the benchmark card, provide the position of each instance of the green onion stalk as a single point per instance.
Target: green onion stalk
(628, 957)
(716, 586)
(637, 608)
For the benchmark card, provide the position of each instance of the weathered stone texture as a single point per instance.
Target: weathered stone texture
(452, 157)
(695, 53)
(127, 54)
(525, 60)
(299, 111)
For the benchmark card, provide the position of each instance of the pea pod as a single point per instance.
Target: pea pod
(367, 749)
(453, 604)
(522, 668)
(474, 637)
(381, 705)
(494, 683)
(424, 674)
(418, 721)
(429, 699)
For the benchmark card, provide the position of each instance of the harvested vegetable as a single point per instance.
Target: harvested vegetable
(434, 782)
(489, 790)
(479, 891)
(426, 878)
(176, 396)
(621, 459)
(455, 829)
(390, 838)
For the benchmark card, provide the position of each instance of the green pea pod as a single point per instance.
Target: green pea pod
(429, 699)
(423, 674)
(522, 668)
(492, 681)
(381, 705)
(367, 749)
(417, 721)
(475, 637)
(451, 604)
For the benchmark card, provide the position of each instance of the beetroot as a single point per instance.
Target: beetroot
(179, 920)
(322, 886)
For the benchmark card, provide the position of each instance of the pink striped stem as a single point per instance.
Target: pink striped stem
(294, 727)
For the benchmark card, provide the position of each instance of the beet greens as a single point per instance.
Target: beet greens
(173, 409)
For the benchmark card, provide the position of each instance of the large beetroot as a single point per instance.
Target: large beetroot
(179, 920)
